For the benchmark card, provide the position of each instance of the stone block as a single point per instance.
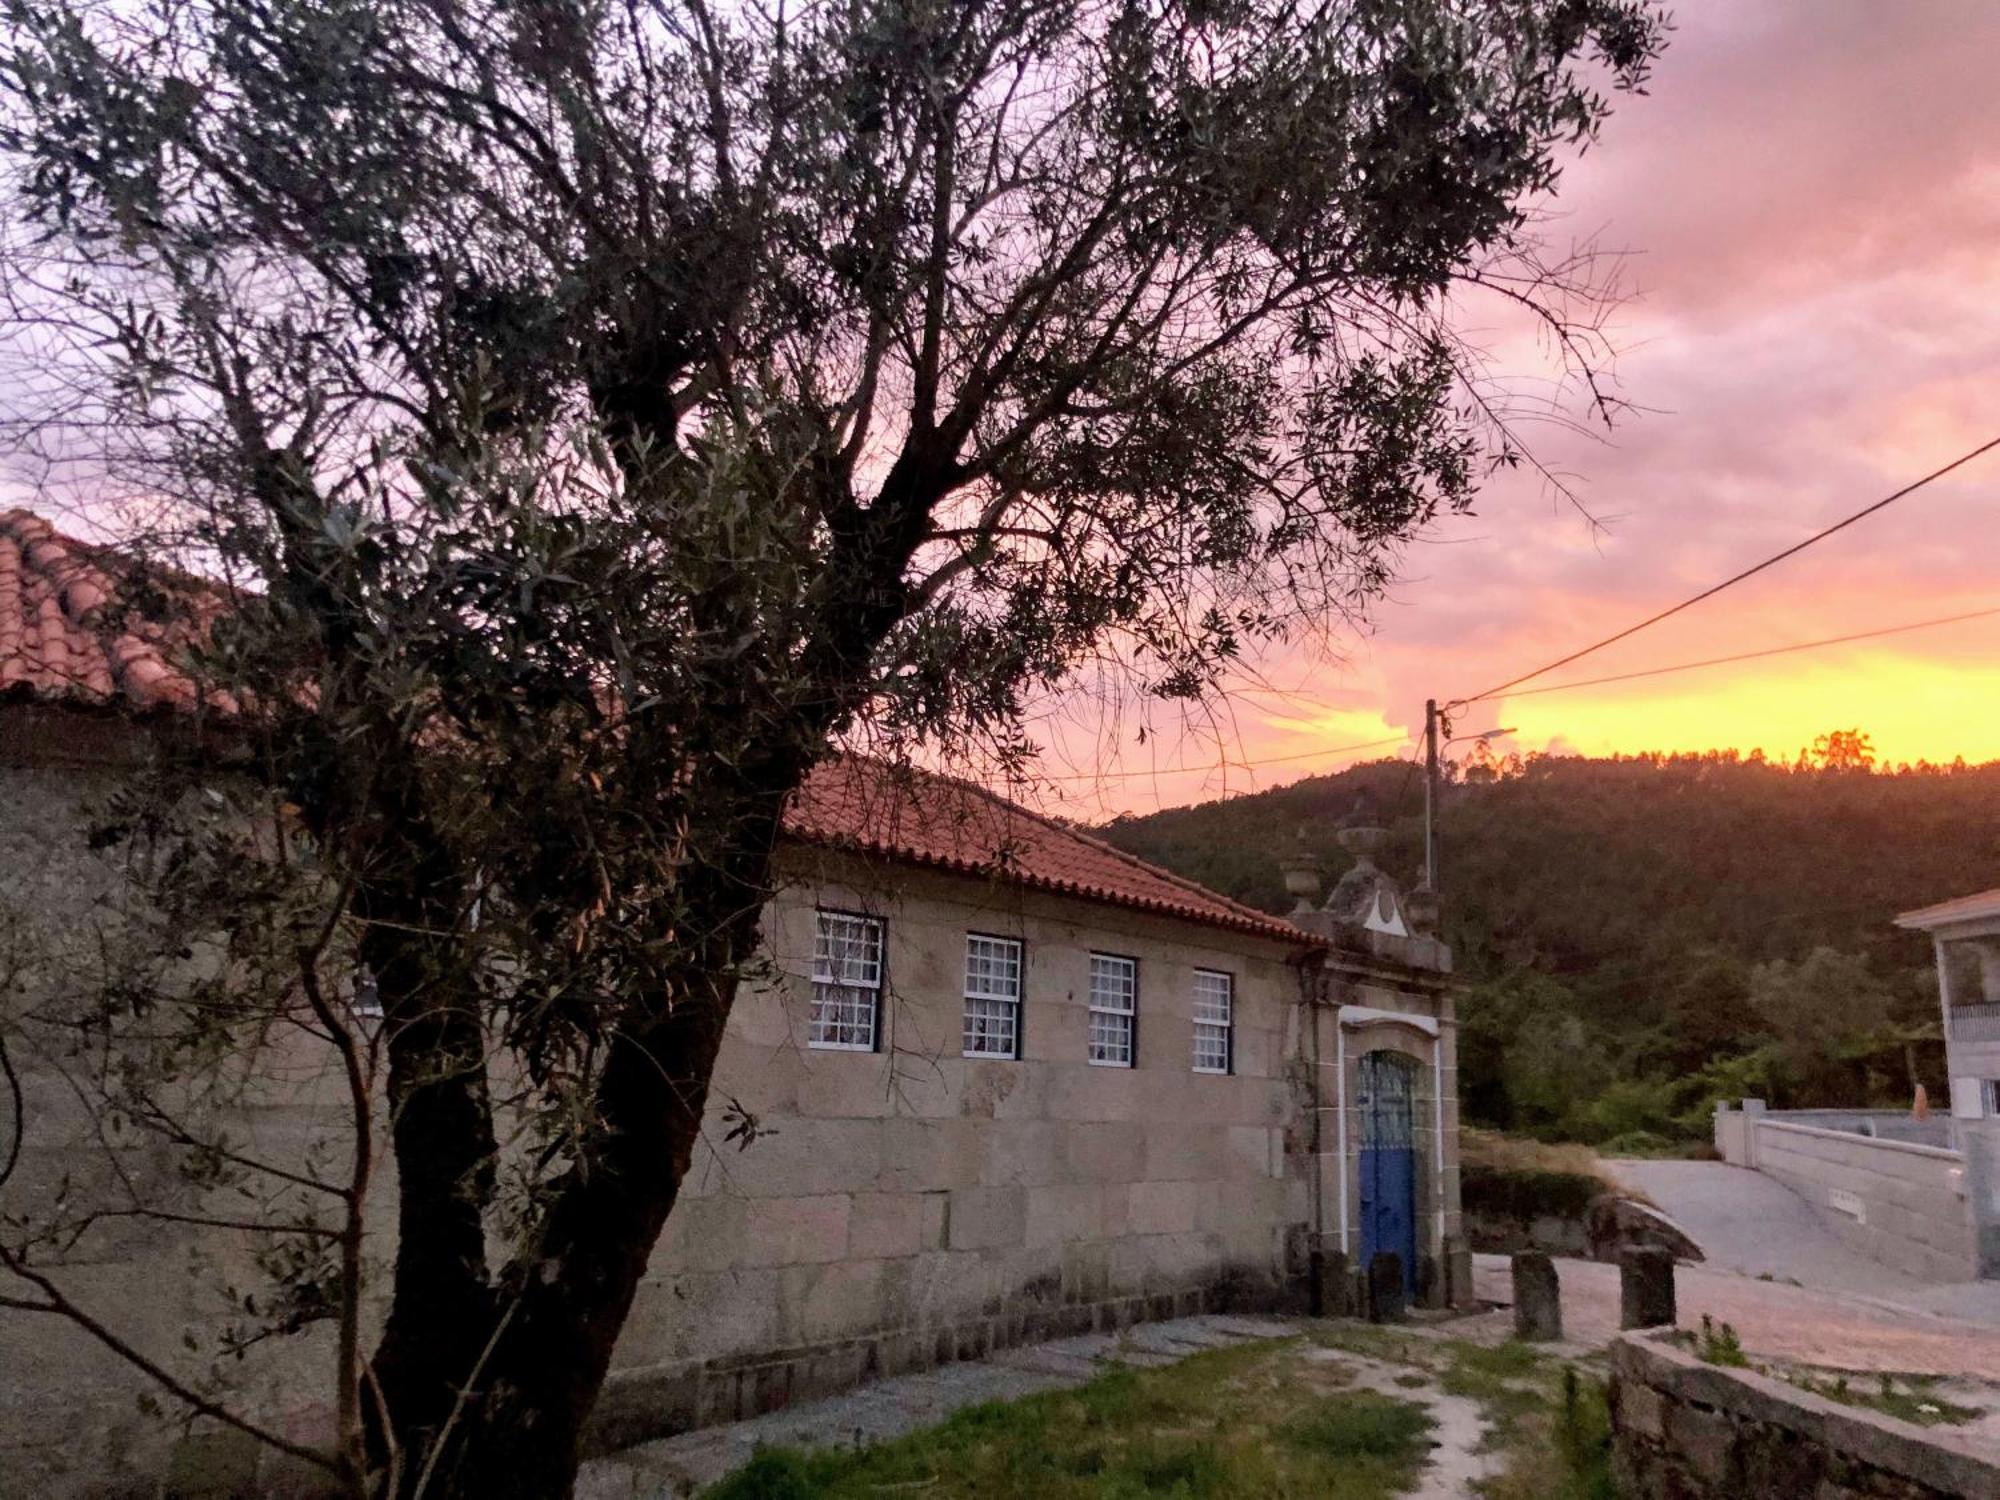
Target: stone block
(1163, 1207)
(213, 1465)
(1640, 1410)
(881, 1225)
(1388, 1300)
(922, 1155)
(801, 1157)
(847, 1086)
(1062, 1213)
(838, 1301)
(1255, 1149)
(1187, 1153)
(1112, 1152)
(1024, 1153)
(1459, 1289)
(795, 1231)
(1333, 1287)
(1645, 1287)
(1706, 1440)
(1537, 1298)
(936, 1219)
(987, 1218)
(703, 1234)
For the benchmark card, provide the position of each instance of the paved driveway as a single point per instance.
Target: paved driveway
(1754, 1225)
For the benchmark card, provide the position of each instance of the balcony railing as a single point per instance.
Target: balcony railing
(1978, 1022)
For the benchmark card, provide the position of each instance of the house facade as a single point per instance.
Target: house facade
(1007, 1083)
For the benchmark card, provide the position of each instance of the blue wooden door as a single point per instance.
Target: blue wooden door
(1389, 1160)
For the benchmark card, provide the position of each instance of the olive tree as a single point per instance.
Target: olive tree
(595, 413)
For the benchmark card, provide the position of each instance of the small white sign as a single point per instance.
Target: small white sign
(1843, 1202)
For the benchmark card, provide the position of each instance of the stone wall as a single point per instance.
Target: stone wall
(1898, 1202)
(911, 1205)
(1685, 1430)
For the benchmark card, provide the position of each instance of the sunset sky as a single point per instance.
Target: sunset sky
(1811, 196)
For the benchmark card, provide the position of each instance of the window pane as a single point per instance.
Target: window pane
(1214, 1011)
(847, 981)
(992, 996)
(1114, 994)
(1111, 1038)
(843, 1016)
(848, 950)
(1114, 982)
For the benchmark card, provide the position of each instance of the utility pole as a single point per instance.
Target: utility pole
(1430, 793)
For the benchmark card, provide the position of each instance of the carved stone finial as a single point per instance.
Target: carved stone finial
(1304, 873)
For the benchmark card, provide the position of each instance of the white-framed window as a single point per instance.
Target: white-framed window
(1214, 1020)
(1990, 1088)
(1114, 1010)
(992, 996)
(367, 998)
(847, 981)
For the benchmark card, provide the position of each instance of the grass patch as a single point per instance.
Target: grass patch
(1252, 1421)
(1511, 1383)
(1559, 1449)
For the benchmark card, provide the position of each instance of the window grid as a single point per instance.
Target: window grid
(992, 996)
(1214, 1020)
(847, 982)
(1114, 1004)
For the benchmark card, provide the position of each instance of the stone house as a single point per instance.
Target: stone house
(1010, 1082)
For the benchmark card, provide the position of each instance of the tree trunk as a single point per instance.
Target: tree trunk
(521, 1431)
(441, 1123)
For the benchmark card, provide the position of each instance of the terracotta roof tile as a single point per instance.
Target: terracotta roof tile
(940, 821)
(60, 641)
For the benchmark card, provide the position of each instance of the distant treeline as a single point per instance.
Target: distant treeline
(1645, 934)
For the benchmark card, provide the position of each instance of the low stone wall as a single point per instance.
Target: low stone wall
(1685, 1430)
(1898, 1202)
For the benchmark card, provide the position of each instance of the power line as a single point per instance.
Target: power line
(1270, 760)
(1750, 572)
(1717, 661)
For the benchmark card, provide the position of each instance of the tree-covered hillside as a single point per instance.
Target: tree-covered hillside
(1644, 934)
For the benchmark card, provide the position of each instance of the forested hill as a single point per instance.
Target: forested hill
(1676, 914)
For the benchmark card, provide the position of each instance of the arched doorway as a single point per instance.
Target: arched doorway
(1387, 1103)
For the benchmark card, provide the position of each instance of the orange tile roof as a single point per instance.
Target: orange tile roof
(63, 640)
(928, 819)
(63, 636)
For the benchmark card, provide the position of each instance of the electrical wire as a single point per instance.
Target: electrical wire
(1717, 661)
(1750, 572)
(1230, 765)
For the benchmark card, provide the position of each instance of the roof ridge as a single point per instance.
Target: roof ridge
(1269, 924)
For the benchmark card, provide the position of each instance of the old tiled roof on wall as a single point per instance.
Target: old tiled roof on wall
(928, 819)
(63, 640)
(63, 637)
